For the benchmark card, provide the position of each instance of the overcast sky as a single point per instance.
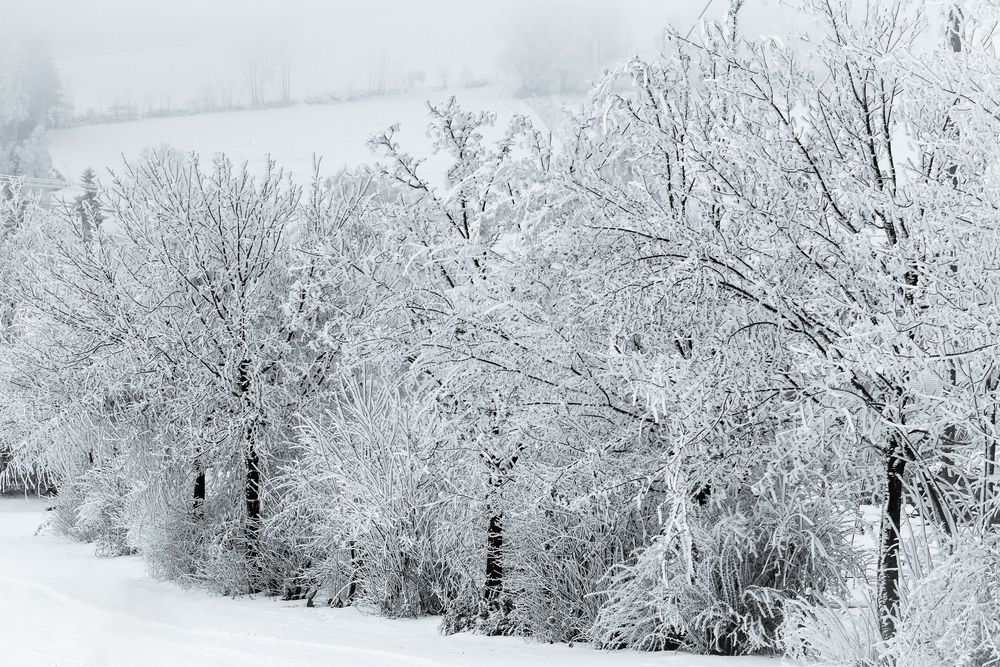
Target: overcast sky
(149, 52)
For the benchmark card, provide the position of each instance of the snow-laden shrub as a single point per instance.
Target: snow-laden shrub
(302, 543)
(92, 505)
(92, 478)
(225, 566)
(101, 510)
(283, 552)
(832, 635)
(192, 542)
(558, 567)
(721, 585)
(951, 615)
(173, 547)
(640, 614)
(563, 544)
(372, 485)
(207, 550)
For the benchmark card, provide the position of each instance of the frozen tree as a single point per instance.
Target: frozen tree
(258, 75)
(453, 234)
(29, 87)
(14, 101)
(814, 212)
(189, 291)
(87, 205)
(636, 384)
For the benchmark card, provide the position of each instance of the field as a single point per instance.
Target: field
(292, 136)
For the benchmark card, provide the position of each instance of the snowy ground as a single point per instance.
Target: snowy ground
(293, 135)
(62, 606)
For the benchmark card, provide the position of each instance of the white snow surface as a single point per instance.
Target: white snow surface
(62, 606)
(337, 132)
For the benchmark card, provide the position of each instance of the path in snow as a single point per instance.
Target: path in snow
(62, 606)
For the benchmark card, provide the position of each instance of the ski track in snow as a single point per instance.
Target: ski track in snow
(64, 607)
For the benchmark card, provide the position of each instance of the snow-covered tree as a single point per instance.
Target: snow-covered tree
(88, 207)
(636, 384)
(827, 221)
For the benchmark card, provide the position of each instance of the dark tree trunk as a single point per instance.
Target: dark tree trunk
(889, 548)
(352, 586)
(495, 604)
(252, 529)
(252, 489)
(989, 470)
(251, 458)
(493, 593)
(991, 519)
(199, 487)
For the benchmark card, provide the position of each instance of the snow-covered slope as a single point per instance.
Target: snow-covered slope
(62, 606)
(292, 135)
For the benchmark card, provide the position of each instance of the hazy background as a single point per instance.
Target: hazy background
(149, 54)
(90, 84)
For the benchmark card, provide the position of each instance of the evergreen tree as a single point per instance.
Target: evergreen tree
(30, 91)
(88, 207)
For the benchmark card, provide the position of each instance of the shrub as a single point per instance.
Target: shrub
(727, 593)
(951, 615)
(371, 482)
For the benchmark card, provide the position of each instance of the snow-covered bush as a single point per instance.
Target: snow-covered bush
(101, 513)
(93, 479)
(194, 542)
(193, 552)
(726, 591)
(951, 615)
(372, 481)
(830, 634)
(29, 158)
(567, 527)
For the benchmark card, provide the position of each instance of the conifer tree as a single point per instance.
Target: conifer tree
(88, 207)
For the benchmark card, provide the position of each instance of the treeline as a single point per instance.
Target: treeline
(30, 101)
(636, 386)
(124, 113)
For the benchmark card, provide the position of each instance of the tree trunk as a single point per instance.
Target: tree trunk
(990, 466)
(991, 518)
(252, 488)
(199, 487)
(252, 463)
(493, 593)
(889, 547)
(500, 465)
(352, 586)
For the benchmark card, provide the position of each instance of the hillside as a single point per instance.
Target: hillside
(293, 135)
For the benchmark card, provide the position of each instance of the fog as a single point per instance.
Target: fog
(150, 55)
